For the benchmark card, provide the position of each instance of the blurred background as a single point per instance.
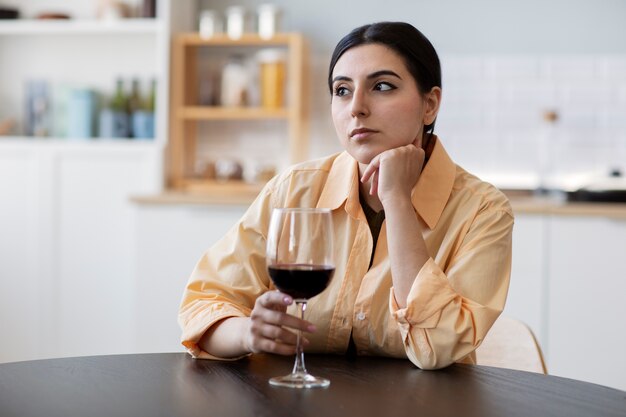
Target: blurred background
(133, 134)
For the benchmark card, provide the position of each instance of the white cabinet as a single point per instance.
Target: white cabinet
(568, 283)
(170, 240)
(67, 247)
(19, 245)
(587, 314)
(67, 226)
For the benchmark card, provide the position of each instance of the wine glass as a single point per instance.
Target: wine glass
(300, 263)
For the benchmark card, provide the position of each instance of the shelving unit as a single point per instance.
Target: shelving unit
(66, 219)
(53, 49)
(185, 114)
(90, 52)
(87, 26)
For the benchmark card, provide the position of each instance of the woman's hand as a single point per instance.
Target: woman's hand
(267, 331)
(394, 172)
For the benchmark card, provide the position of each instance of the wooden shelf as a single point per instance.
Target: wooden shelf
(60, 27)
(29, 142)
(234, 191)
(230, 113)
(185, 119)
(248, 39)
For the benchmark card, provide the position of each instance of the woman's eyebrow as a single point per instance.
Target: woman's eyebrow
(341, 78)
(383, 72)
(375, 74)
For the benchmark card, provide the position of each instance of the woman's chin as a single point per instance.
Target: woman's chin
(363, 158)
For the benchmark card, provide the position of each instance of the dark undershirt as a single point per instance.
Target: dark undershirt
(375, 222)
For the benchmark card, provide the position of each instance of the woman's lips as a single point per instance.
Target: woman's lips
(362, 133)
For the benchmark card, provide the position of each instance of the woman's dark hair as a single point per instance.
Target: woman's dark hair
(418, 53)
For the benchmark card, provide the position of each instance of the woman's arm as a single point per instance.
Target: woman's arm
(393, 175)
(443, 316)
(449, 312)
(228, 309)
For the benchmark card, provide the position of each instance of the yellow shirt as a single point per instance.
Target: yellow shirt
(454, 300)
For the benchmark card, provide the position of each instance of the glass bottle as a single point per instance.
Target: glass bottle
(119, 107)
(143, 117)
(269, 20)
(235, 83)
(236, 22)
(134, 102)
(210, 24)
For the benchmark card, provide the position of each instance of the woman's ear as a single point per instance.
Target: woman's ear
(432, 100)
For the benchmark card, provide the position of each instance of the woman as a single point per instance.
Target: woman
(423, 248)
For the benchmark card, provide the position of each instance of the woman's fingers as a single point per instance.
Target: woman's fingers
(371, 168)
(269, 324)
(374, 186)
(274, 300)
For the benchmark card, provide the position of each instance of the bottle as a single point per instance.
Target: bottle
(235, 83)
(272, 77)
(143, 118)
(269, 20)
(151, 100)
(80, 113)
(210, 24)
(133, 103)
(37, 108)
(115, 123)
(236, 22)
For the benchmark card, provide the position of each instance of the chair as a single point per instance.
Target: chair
(511, 344)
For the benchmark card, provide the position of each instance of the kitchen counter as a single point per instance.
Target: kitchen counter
(523, 202)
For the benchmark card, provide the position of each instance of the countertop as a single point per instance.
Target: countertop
(522, 201)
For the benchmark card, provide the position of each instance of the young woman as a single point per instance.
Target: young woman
(423, 248)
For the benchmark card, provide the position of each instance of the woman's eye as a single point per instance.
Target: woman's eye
(341, 91)
(384, 86)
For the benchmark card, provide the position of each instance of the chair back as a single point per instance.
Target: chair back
(511, 344)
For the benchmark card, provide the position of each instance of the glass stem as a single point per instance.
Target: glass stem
(298, 367)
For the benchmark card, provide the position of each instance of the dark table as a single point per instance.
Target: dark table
(174, 384)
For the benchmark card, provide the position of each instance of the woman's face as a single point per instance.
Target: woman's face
(376, 104)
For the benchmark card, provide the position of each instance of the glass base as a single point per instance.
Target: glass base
(300, 380)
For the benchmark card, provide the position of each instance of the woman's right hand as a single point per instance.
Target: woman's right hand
(270, 326)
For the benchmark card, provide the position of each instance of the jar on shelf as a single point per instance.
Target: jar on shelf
(80, 113)
(227, 169)
(272, 77)
(236, 22)
(210, 24)
(269, 20)
(235, 82)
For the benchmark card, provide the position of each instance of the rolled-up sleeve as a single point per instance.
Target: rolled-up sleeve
(449, 312)
(228, 278)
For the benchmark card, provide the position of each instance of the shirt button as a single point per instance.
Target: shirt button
(360, 316)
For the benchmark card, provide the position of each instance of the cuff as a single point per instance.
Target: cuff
(195, 328)
(429, 293)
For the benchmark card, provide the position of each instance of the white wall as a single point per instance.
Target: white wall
(504, 63)
(457, 26)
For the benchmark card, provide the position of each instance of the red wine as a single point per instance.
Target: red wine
(301, 281)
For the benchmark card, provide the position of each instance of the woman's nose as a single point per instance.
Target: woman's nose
(359, 106)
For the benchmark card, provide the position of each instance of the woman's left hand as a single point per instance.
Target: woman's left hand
(394, 172)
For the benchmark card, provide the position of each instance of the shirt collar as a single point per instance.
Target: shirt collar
(432, 191)
(342, 185)
(429, 196)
